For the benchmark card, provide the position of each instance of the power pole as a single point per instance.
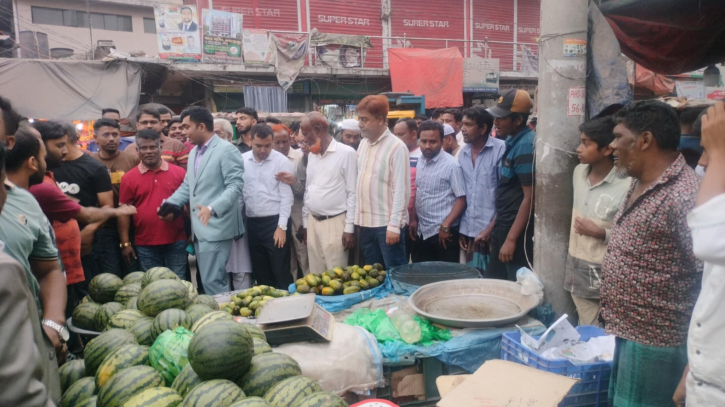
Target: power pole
(90, 28)
(560, 101)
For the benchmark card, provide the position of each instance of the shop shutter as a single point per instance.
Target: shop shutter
(494, 20)
(441, 19)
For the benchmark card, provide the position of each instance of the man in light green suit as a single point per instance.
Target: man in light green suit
(212, 187)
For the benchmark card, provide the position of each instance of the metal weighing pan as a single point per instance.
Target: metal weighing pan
(472, 303)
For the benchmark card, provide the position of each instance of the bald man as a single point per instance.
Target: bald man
(328, 212)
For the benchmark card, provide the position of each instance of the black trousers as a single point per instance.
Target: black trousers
(507, 271)
(270, 264)
(430, 249)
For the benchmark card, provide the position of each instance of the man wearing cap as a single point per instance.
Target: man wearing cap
(450, 144)
(511, 239)
(350, 133)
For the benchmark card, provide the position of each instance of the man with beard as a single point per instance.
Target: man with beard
(439, 201)
(350, 133)
(512, 245)
(650, 275)
(29, 239)
(328, 214)
(165, 116)
(268, 203)
(65, 214)
(109, 244)
(246, 118)
(158, 243)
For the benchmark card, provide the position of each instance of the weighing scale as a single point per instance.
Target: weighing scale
(295, 319)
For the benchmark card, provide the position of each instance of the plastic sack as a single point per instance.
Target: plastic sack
(337, 303)
(431, 333)
(376, 322)
(168, 355)
(530, 283)
(350, 362)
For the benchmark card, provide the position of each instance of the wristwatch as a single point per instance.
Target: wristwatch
(211, 210)
(282, 227)
(125, 244)
(62, 331)
(445, 229)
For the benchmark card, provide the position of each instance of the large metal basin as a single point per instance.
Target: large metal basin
(472, 303)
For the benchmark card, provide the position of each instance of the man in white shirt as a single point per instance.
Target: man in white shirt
(454, 118)
(328, 213)
(704, 377)
(450, 145)
(268, 203)
(296, 180)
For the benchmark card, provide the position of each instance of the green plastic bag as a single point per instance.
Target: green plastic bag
(375, 322)
(430, 333)
(168, 355)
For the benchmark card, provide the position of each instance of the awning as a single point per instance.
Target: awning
(70, 90)
(436, 74)
(669, 36)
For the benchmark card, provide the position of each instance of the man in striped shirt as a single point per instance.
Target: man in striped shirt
(383, 186)
(440, 199)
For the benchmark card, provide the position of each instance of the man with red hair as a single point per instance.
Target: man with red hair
(383, 186)
(283, 144)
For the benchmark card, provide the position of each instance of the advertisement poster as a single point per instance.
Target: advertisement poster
(222, 40)
(480, 75)
(255, 46)
(178, 31)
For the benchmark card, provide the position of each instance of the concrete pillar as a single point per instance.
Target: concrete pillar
(560, 77)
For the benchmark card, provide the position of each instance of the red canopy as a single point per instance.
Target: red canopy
(436, 74)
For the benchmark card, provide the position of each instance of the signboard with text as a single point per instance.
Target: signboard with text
(577, 101)
(480, 75)
(178, 32)
(222, 37)
(256, 46)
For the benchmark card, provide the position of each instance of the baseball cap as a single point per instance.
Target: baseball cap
(448, 130)
(513, 101)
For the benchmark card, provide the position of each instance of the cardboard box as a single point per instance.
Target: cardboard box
(499, 383)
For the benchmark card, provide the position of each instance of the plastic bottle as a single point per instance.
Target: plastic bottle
(405, 324)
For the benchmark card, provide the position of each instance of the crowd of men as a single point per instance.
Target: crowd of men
(277, 202)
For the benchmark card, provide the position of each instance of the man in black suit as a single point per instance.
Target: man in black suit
(187, 24)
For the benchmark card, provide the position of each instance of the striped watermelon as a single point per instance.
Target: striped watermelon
(103, 287)
(170, 320)
(127, 292)
(160, 397)
(222, 350)
(161, 295)
(103, 345)
(157, 273)
(209, 318)
(191, 290)
(216, 393)
(121, 358)
(135, 277)
(82, 389)
(126, 384)
(322, 400)
(197, 311)
(85, 314)
(267, 370)
(289, 392)
(261, 346)
(141, 330)
(91, 402)
(208, 300)
(104, 314)
(86, 299)
(185, 381)
(251, 402)
(132, 303)
(124, 319)
(255, 331)
(70, 373)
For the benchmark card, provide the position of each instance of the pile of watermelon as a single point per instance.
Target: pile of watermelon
(230, 364)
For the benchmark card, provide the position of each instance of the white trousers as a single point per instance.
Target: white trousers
(324, 243)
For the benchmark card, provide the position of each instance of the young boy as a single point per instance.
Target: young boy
(598, 194)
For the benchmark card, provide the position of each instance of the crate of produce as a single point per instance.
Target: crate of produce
(593, 385)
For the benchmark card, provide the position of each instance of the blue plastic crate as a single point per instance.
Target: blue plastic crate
(593, 385)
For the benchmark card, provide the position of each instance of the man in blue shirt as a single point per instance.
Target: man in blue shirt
(440, 199)
(511, 239)
(480, 160)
